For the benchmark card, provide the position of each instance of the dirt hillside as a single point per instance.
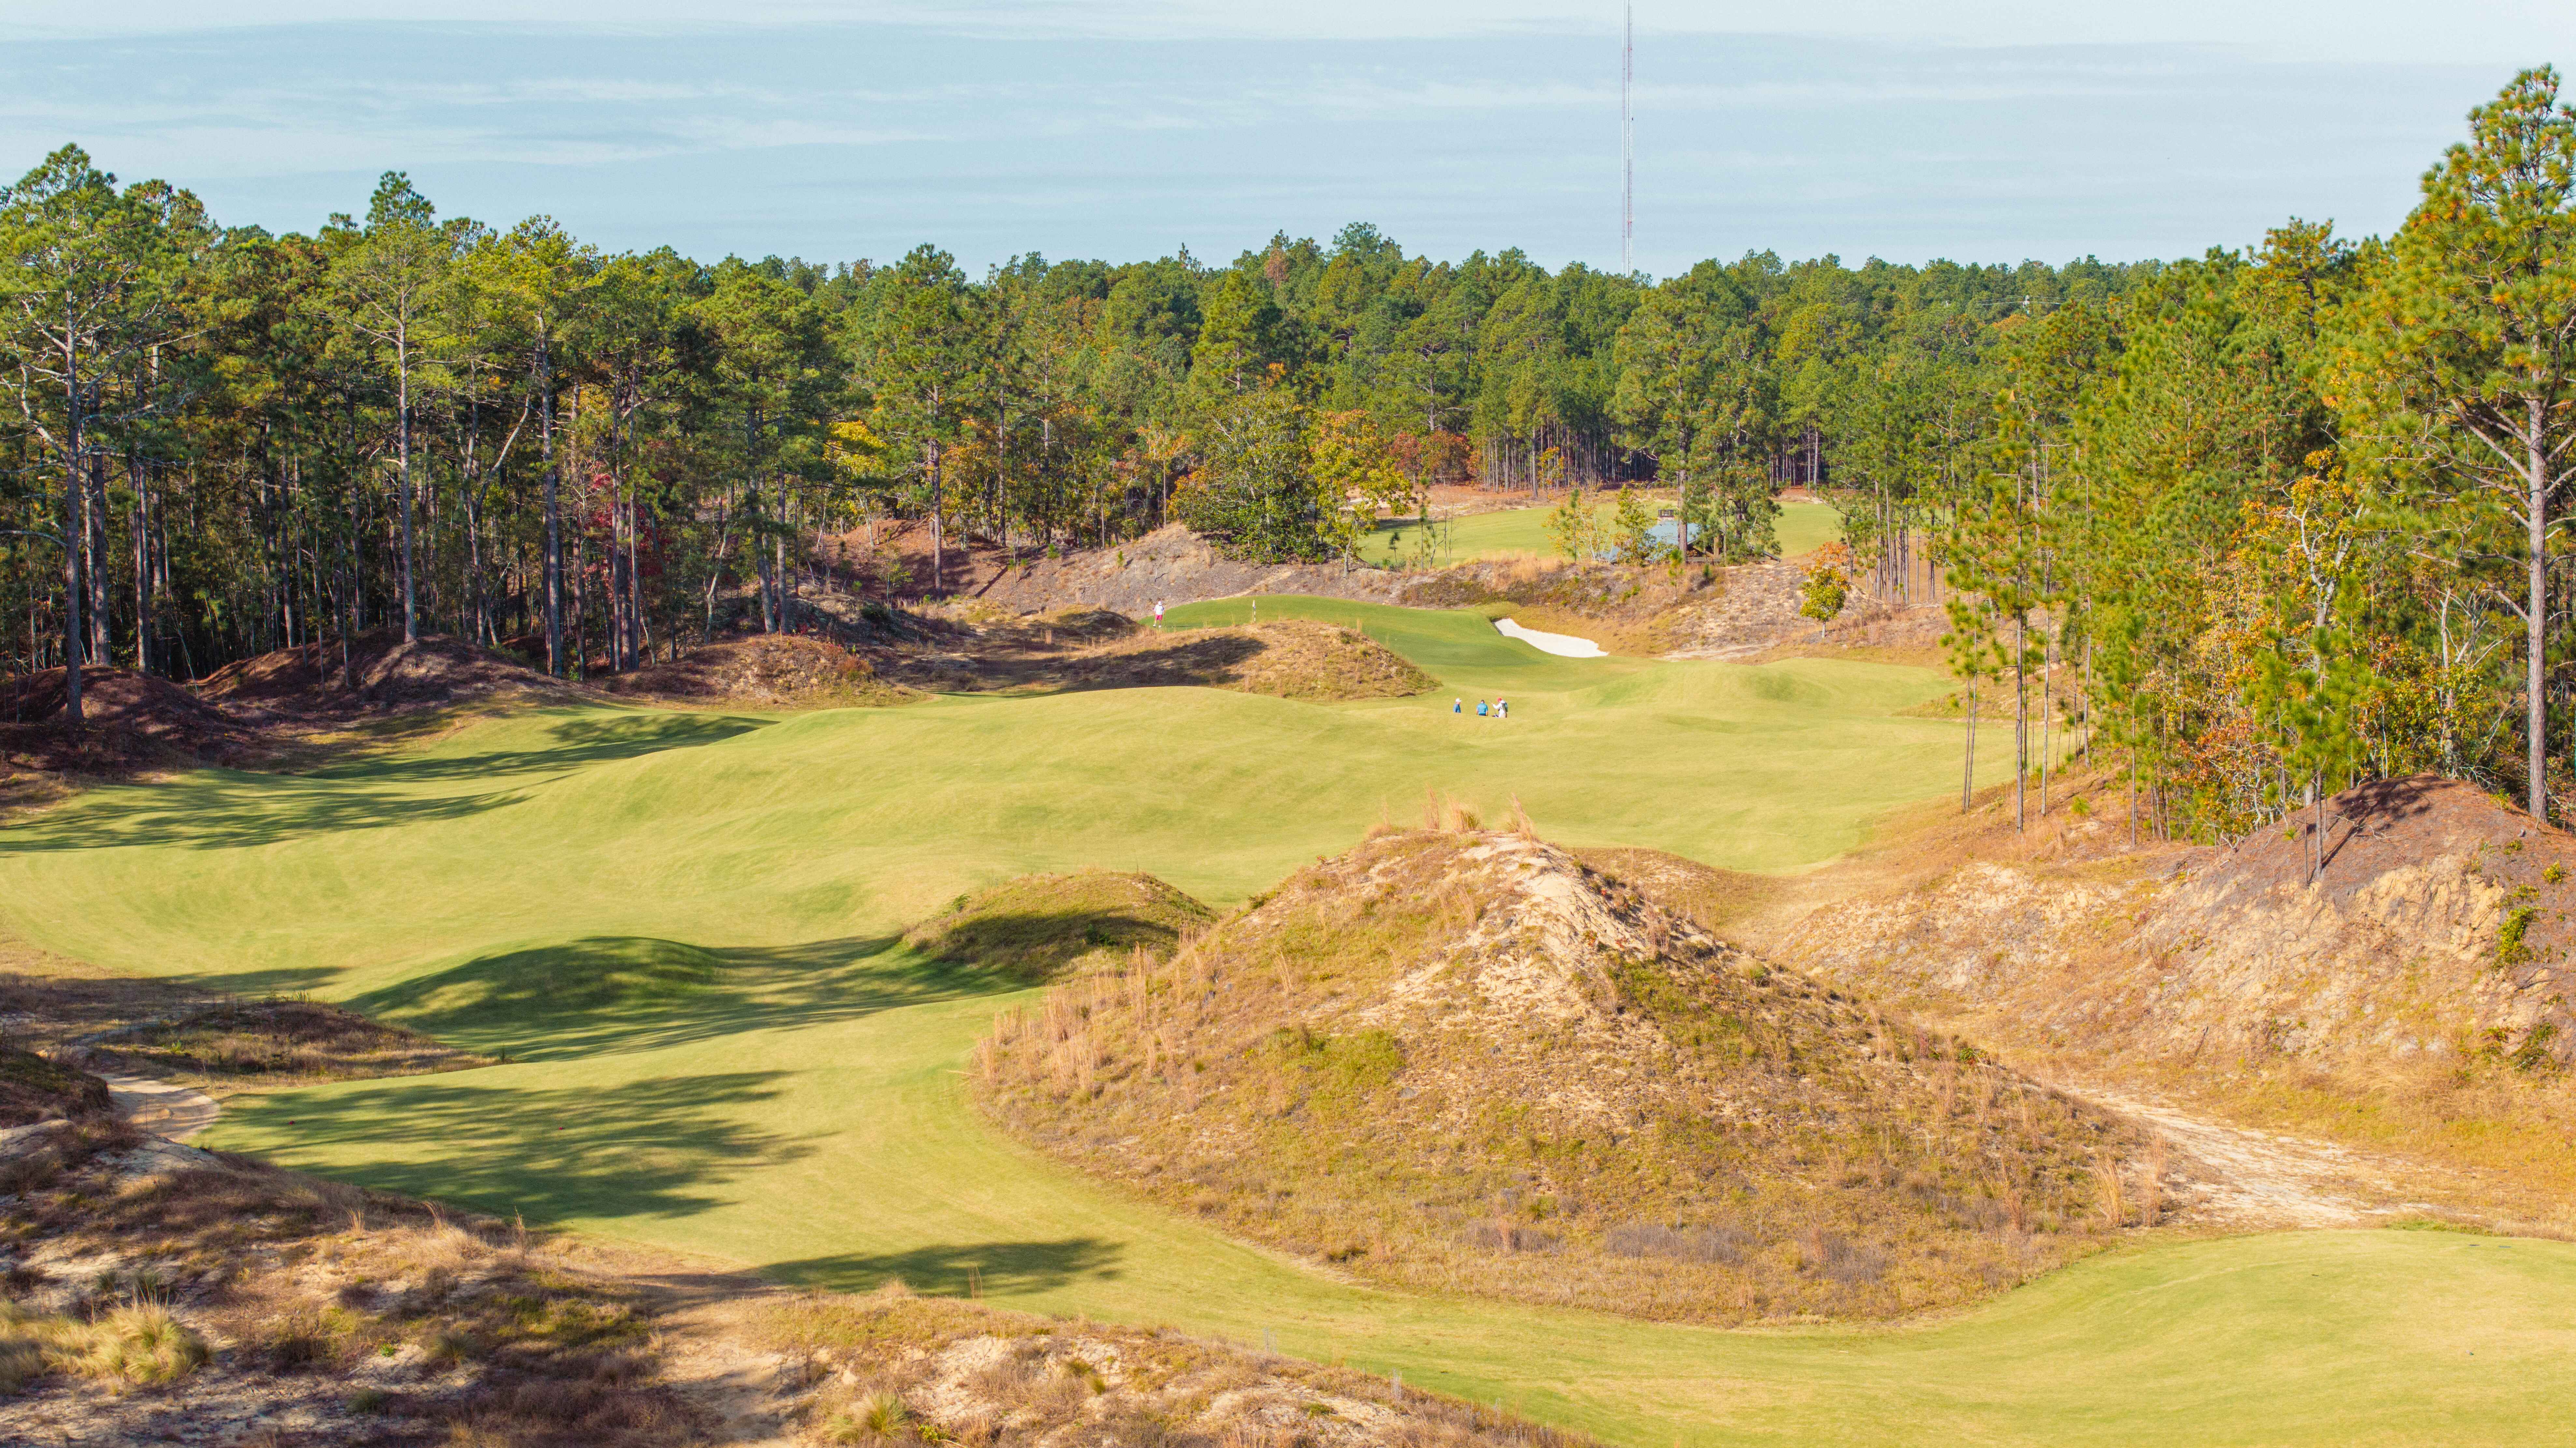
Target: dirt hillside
(1463, 1061)
(2438, 929)
(771, 669)
(381, 672)
(1092, 648)
(1172, 565)
(131, 721)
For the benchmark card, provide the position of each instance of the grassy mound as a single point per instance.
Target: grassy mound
(1463, 1061)
(1037, 925)
(280, 1039)
(522, 994)
(1318, 662)
(33, 1088)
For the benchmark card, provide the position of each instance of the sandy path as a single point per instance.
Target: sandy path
(159, 1107)
(2239, 1177)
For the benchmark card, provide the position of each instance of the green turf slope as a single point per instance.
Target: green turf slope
(681, 928)
(553, 825)
(1802, 529)
(806, 1113)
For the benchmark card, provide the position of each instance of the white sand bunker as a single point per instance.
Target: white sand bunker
(1562, 645)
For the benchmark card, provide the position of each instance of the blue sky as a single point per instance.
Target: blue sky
(1987, 131)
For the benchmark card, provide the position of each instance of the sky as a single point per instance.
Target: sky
(1988, 130)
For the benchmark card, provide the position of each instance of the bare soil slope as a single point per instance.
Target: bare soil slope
(381, 672)
(34, 1087)
(2437, 929)
(1100, 649)
(766, 669)
(131, 721)
(2405, 1014)
(1466, 1062)
(1171, 565)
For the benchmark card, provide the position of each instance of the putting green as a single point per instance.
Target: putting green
(679, 926)
(1802, 529)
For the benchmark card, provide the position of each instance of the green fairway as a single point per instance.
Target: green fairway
(680, 927)
(1803, 528)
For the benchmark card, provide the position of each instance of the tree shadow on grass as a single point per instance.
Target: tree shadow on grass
(631, 993)
(584, 738)
(643, 1149)
(1010, 1268)
(230, 809)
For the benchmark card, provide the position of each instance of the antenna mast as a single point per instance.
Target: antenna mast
(1628, 140)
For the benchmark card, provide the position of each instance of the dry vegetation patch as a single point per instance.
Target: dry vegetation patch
(2413, 997)
(897, 1369)
(375, 671)
(131, 723)
(1037, 926)
(1464, 1061)
(767, 669)
(157, 1293)
(152, 1288)
(34, 1087)
(274, 1042)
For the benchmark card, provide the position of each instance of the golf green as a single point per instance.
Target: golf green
(680, 927)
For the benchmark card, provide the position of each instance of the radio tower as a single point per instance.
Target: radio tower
(1628, 140)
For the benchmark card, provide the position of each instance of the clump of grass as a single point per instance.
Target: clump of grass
(140, 1344)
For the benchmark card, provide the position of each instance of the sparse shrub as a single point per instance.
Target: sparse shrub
(2510, 948)
(1828, 584)
(2534, 1054)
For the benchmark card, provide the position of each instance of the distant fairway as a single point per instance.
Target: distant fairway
(1803, 528)
(680, 927)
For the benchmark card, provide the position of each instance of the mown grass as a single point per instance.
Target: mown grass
(683, 927)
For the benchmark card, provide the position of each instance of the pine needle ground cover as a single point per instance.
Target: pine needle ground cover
(683, 930)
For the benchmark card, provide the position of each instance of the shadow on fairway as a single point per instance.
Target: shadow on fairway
(647, 1149)
(1008, 1268)
(218, 809)
(566, 744)
(225, 809)
(631, 993)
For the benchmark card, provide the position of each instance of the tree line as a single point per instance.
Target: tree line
(2269, 522)
(217, 441)
(2258, 523)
